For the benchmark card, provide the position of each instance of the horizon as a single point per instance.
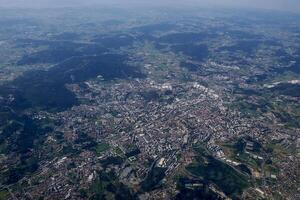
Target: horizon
(271, 5)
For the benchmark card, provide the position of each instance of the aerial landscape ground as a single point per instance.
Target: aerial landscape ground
(112, 103)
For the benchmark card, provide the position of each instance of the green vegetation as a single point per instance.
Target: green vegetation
(240, 145)
(288, 112)
(4, 195)
(133, 152)
(107, 186)
(69, 150)
(72, 177)
(237, 152)
(99, 187)
(278, 150)
(246, 107)
(271, 169)
(112, 161)
(228, 179)
(258, 102)
(153, 178)
(245, 158)
(119, 151)
(101, 147)
(178, 156)
(2, 148)
(14, 174)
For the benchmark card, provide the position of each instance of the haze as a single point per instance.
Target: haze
(283, 5)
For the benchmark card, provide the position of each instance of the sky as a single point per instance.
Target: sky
(283, 5)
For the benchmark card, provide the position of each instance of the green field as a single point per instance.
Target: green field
(101, 147)
(4, 195)
(228, 179)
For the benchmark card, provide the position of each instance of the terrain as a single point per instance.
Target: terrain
(101, 103)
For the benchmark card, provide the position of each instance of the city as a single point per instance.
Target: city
(163, 106)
